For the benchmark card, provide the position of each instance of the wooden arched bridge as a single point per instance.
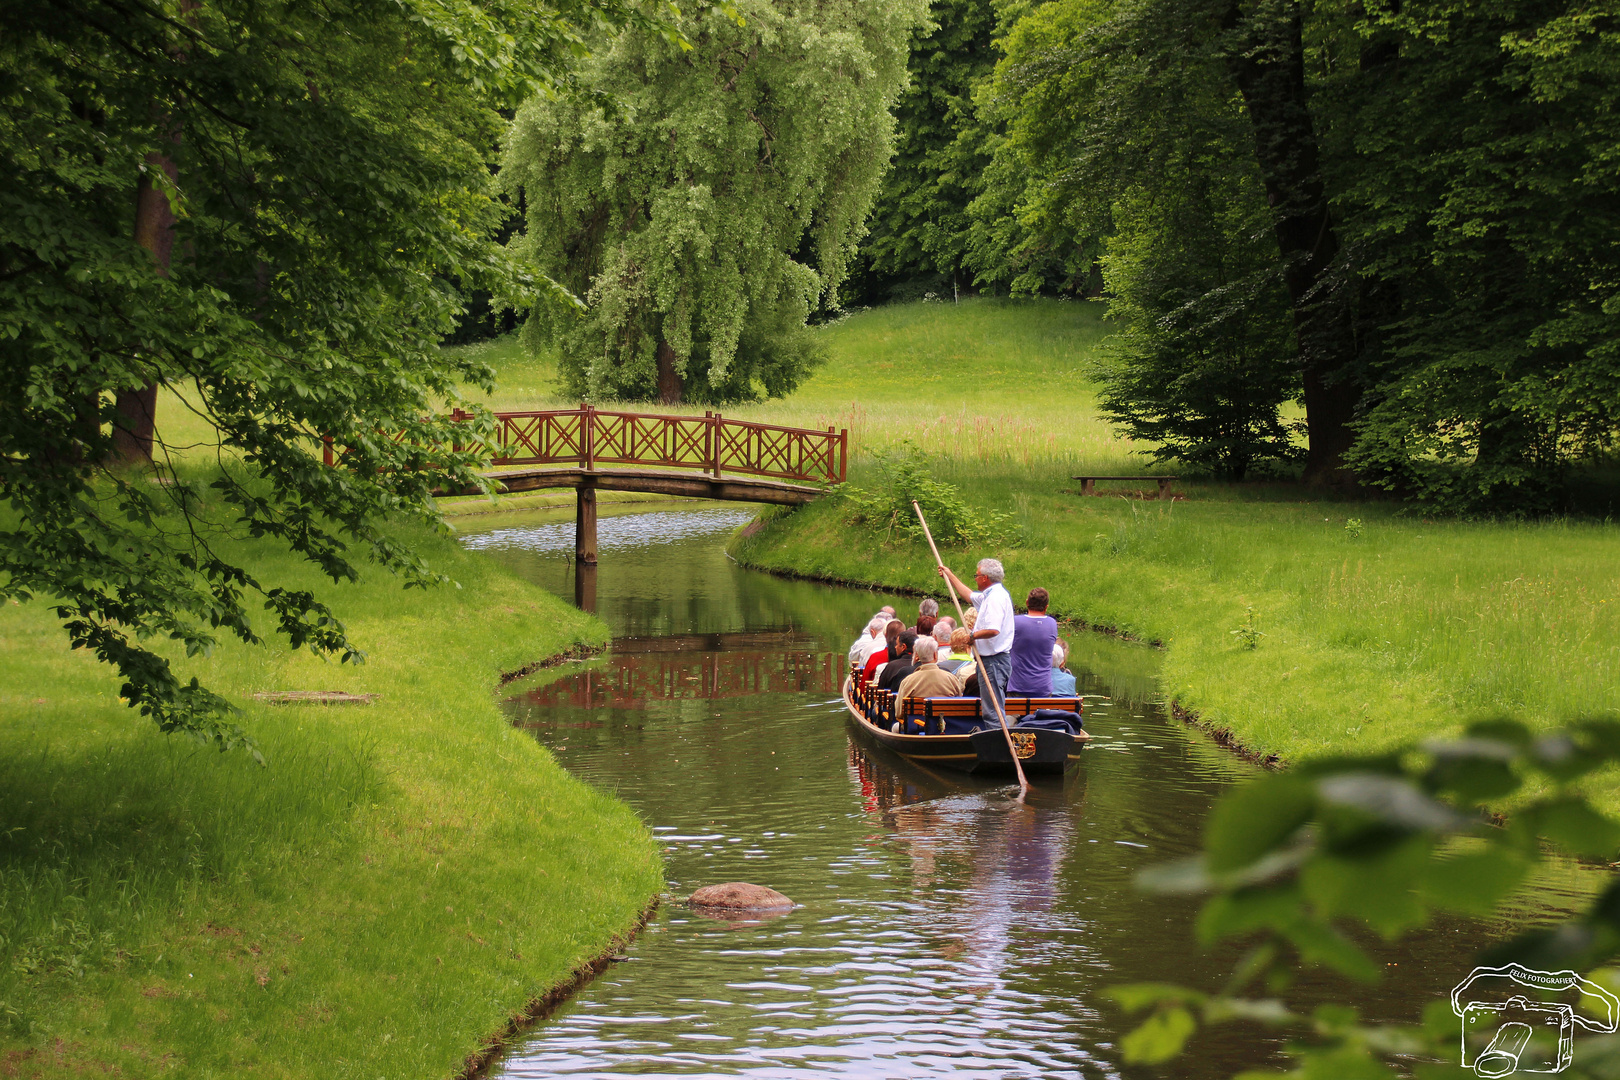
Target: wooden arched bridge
(700, 457)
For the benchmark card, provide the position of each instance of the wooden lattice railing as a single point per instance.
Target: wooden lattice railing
(588, 437)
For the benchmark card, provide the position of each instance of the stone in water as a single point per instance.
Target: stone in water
(739, 896)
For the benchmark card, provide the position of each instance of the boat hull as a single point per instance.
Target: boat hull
(1040, 752)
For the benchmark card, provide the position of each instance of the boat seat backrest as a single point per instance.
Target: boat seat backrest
(940, 706)
(1026, 706)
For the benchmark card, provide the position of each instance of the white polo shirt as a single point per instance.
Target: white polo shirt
(995, 613)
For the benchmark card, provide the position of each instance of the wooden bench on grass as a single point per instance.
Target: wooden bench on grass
(1088, 484)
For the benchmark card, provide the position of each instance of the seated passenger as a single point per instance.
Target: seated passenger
(881, 656)
(895, 671)
(960, 651)
(1062, 679)
(927, 616)
(947, 622)
(942, 639)
(870, 639)
(1034, 635)
(926, 679)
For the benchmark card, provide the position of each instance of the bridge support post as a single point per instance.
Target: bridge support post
(585, 525)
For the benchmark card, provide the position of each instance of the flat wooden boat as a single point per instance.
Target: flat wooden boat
(1040, 751)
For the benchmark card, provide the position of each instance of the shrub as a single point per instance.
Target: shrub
(908, 476)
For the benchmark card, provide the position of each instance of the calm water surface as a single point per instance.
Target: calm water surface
(941, 927)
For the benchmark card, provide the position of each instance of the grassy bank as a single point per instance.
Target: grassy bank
(376, 901)
(1379, 625)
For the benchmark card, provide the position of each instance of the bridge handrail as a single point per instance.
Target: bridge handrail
(587, 436)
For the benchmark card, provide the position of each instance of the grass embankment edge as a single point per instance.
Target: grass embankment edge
(1294, 626)
(400, 891)
(1223, 737)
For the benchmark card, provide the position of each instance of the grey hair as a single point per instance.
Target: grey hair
(878, 624)
(942, 632)
(991, 568)
(929, 606)
(925, 650)
(1059, 654)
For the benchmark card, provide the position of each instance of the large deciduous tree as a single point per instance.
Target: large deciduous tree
(252, 205)
(710, 199)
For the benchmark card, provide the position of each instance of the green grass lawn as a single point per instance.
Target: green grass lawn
(1376, 635)
(984, 380)
(376, 901)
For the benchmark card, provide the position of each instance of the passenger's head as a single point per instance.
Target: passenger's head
(961, 638)
(970, 617)
(929, 606)
(887, 609)
(875, 627)
(907, 642)
(942, 632)
(991, 568)
(891, 631)
(1037, 600)
(1060, 653)
(925, 625)
(947, 622)
(927, 650)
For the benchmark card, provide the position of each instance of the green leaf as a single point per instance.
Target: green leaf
(1474, 883)
(1134, 997)
(1255, 818)
(1160, 1037)
(1381, 890)
(1577, 828)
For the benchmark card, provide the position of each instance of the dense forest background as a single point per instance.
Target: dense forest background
(1372, 241)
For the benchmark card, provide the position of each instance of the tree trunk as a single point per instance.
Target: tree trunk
(669, 379)
(1267, 60)
(135, 426)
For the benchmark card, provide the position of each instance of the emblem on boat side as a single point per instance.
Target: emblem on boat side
(1513, 1023)
(1023, 743)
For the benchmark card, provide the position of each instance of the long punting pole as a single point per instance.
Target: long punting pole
(984, 676)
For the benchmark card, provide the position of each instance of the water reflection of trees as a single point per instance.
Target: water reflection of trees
(696, 666)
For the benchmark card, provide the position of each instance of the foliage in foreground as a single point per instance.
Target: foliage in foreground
(305, 179)
(707, 200)
(1296, 862)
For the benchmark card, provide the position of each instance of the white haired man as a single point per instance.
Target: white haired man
(992, 629)
(871, 638)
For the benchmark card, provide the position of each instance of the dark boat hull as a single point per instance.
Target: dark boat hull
(1040, 752)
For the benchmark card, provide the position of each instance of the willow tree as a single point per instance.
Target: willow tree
(710, 197)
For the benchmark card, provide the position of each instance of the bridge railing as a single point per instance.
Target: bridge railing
(589, 437)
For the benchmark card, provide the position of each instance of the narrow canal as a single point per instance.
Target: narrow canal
(941, 927)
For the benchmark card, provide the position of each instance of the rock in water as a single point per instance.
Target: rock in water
(739, 896)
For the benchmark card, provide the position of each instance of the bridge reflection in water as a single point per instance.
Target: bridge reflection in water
(640, 671)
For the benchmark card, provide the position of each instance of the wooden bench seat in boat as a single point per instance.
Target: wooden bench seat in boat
(1028, 706)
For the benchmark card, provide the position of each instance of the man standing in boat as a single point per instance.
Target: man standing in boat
(993, 631)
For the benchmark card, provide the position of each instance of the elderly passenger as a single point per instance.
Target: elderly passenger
(1062, 679)
(870, 639)
(942, 639)
(926, 679)
(879, 657)
(961, 653)
(927, 616)
(992, 629)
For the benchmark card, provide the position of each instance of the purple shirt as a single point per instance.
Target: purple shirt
(1033, 639)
